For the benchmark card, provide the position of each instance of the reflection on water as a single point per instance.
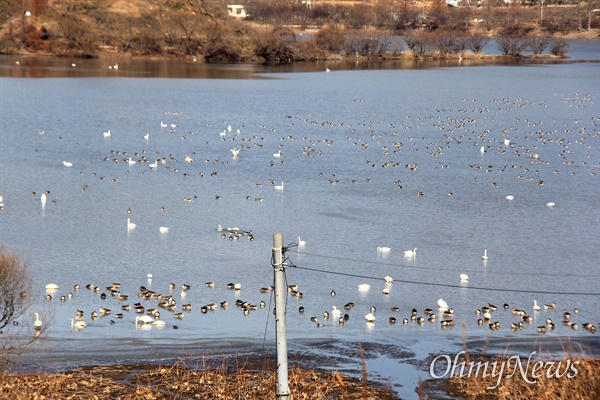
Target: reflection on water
(41, 67)
(357, 149)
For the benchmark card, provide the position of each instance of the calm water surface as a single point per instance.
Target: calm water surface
(356, 149)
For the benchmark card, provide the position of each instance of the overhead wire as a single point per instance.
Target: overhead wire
(549, 292)
(440, 269)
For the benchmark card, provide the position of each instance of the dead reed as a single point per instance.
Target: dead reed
(183, 381)
(573, 376)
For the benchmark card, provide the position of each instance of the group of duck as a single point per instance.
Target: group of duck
(485, 314)
(147, 316)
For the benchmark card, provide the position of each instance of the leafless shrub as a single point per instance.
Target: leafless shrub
(331, 38)
(417, 42)
(79, 39)
(367, 43)
(17, 330)
(537, 45)
(559, 47)
(276, 46)
(477, 42)
(445, 42)
(511, 46)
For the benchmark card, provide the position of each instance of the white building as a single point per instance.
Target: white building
(236, 11)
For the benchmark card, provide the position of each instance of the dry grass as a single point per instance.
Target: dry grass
(574, 376)
(583, 385)
(180, 381)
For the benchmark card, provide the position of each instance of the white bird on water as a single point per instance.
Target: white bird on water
(383, 249)
(550, 204)
(78, 324)
(164, 229)
(278, 187)
(464, 277)
(107, 133)
(146, 319)
(411, 253)
(535, 306)
(510, 197)
(364, 287)
(67, 164)
(301, 243)
(235, 152)
(484, 257)
(335, 313)
(130, 225)
(277, 155)
(370, 317)
(442, 304)
(37, 324)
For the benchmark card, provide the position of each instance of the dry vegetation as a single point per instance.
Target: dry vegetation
(178, 381)
(584, 385)
(203, 30)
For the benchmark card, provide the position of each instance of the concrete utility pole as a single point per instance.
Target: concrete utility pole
(283, 390)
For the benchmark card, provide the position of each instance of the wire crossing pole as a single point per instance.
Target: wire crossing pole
(283, 390)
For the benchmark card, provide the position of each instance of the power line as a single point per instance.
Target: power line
(442, 269)
(446, 285)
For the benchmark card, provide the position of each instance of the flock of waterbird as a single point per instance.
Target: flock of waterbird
(529, 142)
(151, 307)
(391, 141)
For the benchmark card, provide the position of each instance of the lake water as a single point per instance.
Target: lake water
(357, 147)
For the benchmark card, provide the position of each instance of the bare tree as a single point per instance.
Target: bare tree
(538, 45)
(417, 42)
(477, 42)
(559, 47)
(511, 46)
(405, 14)
(16, 299)
(331, 37)
(586, 11)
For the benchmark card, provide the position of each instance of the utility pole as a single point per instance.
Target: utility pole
(283, 390)
(541, 12)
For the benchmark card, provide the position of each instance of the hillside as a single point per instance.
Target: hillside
(204, 31)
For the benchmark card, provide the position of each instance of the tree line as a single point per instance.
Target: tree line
(202, 28)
